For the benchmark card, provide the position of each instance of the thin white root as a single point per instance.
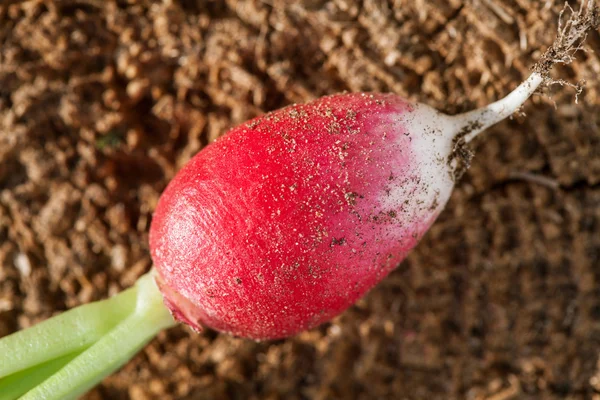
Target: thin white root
(570, 38)
(474, 122)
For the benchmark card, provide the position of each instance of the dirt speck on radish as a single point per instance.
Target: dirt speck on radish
(501, 295)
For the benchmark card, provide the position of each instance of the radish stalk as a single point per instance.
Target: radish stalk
(64, 356)
(64, 334)
(276, 228)
(18, 384)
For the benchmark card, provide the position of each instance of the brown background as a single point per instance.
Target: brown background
(101, 102)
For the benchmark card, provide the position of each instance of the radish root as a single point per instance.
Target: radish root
(570, 38)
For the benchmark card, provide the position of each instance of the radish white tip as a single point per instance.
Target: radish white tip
(472, 123)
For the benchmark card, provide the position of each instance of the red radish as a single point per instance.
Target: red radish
(276, 228)
(293, 216)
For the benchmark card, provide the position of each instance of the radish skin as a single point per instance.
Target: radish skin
(291, 217)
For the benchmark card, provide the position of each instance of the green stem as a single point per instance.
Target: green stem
(64, 334)
(15, 385)
(125, 324)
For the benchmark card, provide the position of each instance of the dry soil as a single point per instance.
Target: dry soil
(101, 102)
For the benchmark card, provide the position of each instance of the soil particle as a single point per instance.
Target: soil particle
(462, 155)
(102, 102)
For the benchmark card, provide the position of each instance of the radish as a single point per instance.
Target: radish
(293, 216)
(277, 227)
